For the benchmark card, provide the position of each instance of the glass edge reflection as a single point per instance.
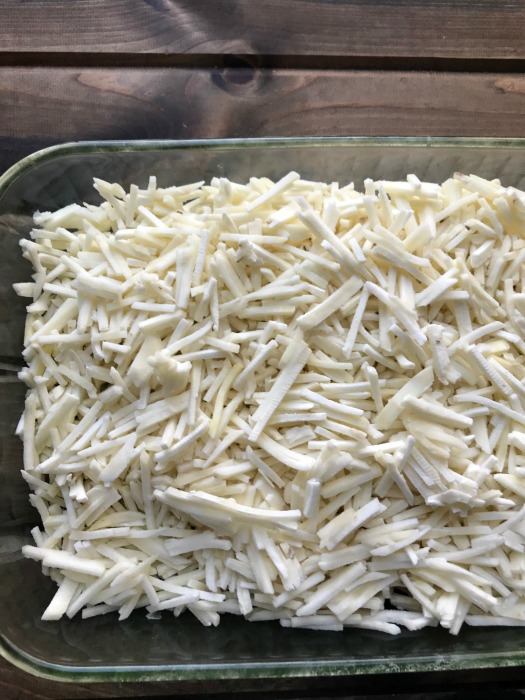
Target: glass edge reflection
(243, 671)
(32, 160)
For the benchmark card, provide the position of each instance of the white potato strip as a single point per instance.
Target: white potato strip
(59, 414)
(259, 358)
(317, 314)
(195, 501)
(120, 461)
(278, 188)
(61, 600)
(282, 400)
(64, 560)
(347, 522)
(437, 413)
(166, 456)
(415, 387)
(300, 352)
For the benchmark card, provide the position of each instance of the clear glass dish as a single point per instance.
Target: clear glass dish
(101, 648)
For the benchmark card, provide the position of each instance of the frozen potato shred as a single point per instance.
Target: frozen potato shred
(289, 400)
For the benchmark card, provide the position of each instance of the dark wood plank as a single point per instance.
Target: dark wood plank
(44, 106)
(467, 29)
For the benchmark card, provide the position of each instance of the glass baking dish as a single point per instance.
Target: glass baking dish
(101, 649)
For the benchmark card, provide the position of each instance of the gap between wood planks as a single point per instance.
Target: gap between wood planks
(59, 59)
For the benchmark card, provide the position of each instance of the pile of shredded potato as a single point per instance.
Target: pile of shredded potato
(286, 400)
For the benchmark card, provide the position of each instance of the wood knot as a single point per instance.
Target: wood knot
(239, 73)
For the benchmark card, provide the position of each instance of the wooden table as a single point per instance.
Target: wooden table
(135, 69)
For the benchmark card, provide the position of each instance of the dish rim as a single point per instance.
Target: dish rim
(259, 669)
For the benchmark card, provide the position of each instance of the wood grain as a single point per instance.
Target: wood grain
(461, 29)
(44, 106)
